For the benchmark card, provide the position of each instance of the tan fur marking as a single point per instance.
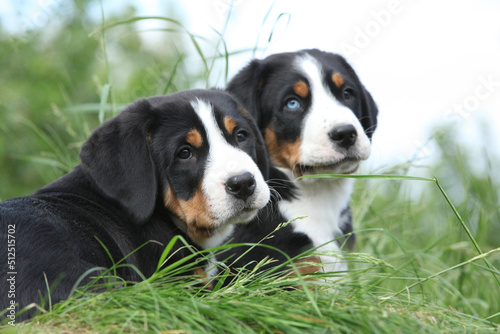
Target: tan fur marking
(230, 124)
(194, 138)
(202, 276)
(283, 154)
(300, 88)
(337, 79)
(193, 212)
(201, 273)
(309, 265)
(172, 203)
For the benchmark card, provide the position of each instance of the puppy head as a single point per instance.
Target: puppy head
(197, 153)
(314, 112)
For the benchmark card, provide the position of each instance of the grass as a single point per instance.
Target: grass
(408, 276)
(258, 304)
(424, 263)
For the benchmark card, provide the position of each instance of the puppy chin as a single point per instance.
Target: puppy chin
(244, 217)
(238, 217)
(222, 229)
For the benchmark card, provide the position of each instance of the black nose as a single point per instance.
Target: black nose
(344, 135)
(241, 186)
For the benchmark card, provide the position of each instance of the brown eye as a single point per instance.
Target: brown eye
(348, 94)
(185, 154)
(241, 136)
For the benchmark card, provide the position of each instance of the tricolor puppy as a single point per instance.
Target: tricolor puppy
(317, 118)
(186, 164)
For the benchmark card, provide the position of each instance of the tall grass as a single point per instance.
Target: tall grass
(422, 265)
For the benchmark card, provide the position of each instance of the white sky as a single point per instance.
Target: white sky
(423, 61)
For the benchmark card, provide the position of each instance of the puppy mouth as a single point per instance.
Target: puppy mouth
(344, 166)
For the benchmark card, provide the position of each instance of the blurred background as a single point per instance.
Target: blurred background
(429, 66)
(432, 67)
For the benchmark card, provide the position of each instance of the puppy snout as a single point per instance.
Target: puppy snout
(345, 135)
(241, 186)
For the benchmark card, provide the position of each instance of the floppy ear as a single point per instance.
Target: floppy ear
(262, 159)
(117, 158)
(369, 113)
(369, 110)
(261, 151)
(246, 86)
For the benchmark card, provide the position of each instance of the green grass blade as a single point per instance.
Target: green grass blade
(482, 256)
(287, 15)
(104, 99)
(264, 20)
(133, 20)
(361, 176)
(173, 72)
(467, 231)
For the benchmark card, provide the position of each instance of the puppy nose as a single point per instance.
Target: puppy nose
(344, 135)
(241, 186)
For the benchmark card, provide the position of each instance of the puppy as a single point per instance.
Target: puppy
(187, 164)
(316, 118)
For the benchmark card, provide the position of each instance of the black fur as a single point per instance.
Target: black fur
(263, 86)
(114, 197)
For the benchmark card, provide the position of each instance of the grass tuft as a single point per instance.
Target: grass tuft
(255, 303)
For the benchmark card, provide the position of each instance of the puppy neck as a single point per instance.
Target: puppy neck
(321, 202)
(318, 187)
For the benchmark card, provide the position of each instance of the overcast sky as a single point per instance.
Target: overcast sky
(425, 62)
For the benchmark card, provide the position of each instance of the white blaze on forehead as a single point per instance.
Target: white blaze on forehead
(223, 158)
(324, 115)
(207, 116)
(223, 162)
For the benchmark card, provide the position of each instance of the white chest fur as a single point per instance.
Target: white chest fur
(321, 201)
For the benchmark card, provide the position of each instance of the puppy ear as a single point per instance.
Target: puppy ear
(247, 86)
(369, 112)
(117, 158)
(261, 151)
(262, 158)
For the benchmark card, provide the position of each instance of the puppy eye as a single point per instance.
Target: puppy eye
(241, 136)
(293, 104)
(348, 94)
(185, 154)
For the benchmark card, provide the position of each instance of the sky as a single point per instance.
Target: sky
(424, 62)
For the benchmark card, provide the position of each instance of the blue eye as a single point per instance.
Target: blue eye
(293, 104)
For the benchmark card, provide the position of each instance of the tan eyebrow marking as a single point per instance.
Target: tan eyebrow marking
(194, 138)
(337, 79)
(300, 88)
(230, 124)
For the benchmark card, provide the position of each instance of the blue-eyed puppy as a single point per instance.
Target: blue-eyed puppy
(316, 118)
